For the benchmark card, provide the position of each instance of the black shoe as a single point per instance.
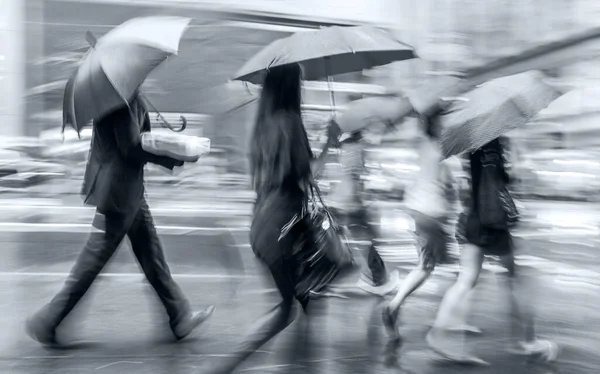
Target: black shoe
(185, 327)
(37, 330)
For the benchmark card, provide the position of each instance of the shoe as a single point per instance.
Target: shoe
(545, 349)
(184, 328)
(37, 330)
(390, 321)
(385, 289)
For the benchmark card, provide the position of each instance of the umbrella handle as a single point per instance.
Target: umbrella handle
(166, 123)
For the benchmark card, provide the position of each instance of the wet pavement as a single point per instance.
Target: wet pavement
(121, 329)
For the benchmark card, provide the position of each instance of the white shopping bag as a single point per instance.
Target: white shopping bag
(185, 148)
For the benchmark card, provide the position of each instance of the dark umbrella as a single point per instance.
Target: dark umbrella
(328, 51)
(229, 97)
(114, 68)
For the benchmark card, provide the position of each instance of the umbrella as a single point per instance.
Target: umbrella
(114, 68)
(579, 101)
(391, 109)
(372, 110)
(229, 97)
(328, 51)
(493, 109)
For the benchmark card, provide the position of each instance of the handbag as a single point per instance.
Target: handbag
(497, 209)
(323, 254)
(328, 236)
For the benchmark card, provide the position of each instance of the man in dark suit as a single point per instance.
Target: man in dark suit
(114, 184)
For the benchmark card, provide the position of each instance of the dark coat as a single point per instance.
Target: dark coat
(114, 175)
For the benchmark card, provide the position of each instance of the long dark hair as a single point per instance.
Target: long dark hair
(279, 148)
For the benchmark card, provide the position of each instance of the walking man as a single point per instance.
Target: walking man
(114, 184)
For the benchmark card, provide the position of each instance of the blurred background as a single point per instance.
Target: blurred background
(43, 40)
(556, 159)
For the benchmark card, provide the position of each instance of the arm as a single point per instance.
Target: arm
(450, 189)
(127, 135)
(333, 133)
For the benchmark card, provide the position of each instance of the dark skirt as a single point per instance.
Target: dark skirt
(434, 241)
(493, 242)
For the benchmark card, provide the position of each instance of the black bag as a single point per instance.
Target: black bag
(497, 209)
(323, 253)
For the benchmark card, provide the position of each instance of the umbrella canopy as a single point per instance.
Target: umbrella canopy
(328, 51)
(229, 96)
(493, 109)
(372, 110)
(578, 101)
(117, 64)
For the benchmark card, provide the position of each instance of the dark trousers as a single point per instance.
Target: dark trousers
(274, 322)
(109, 231)
(274, 255)
(357, 222)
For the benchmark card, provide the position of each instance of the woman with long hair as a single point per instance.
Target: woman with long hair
(479, 238)
(280, 166)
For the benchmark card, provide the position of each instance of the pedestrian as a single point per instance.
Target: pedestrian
(114, 184)
(430, 201)
(349, 206)
(280, 165)
(479, 236)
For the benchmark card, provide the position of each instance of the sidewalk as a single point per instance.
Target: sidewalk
(123, 332)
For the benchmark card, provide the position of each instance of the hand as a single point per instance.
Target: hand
(333, 132)
(171, 163)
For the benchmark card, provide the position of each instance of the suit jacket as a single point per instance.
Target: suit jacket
(114, 175)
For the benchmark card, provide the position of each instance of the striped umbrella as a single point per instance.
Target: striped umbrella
(493, 109)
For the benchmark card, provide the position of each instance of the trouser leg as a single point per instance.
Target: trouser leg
(148, 250)
(375, 263)
(107, 233)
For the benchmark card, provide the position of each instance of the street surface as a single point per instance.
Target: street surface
(120, 328)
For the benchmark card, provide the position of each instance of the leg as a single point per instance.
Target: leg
(523, 337)
(521, 315)
(108, 232)
(471, 260)
(149, 252)
(374, 260)
(267, 326)
(414, 280)
(411, 283)
(461, 316)
(375, 279)
(430, 250)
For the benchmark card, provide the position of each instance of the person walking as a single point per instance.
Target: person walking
(282, 168)
(430, 201)
(348, 205)
(114, 184)
(479, 236)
